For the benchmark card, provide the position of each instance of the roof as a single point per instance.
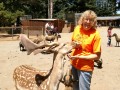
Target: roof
(44, 19)
(109, 18)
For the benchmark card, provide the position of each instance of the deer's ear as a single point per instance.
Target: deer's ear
(38, 79)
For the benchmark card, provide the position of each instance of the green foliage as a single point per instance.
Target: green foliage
(7, 17)
(107, 9)
(91, 4)
(10, 10)
(59, 8)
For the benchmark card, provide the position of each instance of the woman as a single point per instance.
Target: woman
(87, 50)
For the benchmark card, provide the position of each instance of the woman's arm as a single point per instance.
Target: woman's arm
(94, 56)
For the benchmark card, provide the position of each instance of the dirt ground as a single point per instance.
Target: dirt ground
(107, 78)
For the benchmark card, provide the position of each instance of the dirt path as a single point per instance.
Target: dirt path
(107, 78)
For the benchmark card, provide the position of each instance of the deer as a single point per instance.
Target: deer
(50, 38)
(40, 39)
(29, 78)
(22, 48)
(68, 79)
(117, 39)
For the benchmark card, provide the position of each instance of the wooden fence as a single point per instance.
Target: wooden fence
(28, 30)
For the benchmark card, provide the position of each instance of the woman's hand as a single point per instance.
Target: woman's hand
(72, 57)
(77, 45)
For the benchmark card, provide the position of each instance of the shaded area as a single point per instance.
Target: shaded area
(7, 35)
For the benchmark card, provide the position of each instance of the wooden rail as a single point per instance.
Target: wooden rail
(24, 29)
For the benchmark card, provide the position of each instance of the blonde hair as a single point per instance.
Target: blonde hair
(90, 13)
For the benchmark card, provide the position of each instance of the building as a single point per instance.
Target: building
(37, 26)
(109, 21)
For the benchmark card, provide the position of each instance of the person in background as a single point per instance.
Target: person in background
(88, 49)
(55, 30)
(109, 34)
(47, 28)
(52, 28)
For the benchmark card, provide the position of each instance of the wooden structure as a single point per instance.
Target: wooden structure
(109, 21)
(39, 24)
(103, 21)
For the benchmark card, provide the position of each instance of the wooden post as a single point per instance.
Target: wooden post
(12, 32)
(28, 32)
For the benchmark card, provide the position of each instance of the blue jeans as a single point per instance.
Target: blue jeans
(83, 77)
(109, 41)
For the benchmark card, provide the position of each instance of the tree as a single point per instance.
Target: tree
(106, 8)
(11, 9)
(59, 8)
(7, 16)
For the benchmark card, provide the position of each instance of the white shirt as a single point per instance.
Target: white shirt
(52, 27)
(47, 25)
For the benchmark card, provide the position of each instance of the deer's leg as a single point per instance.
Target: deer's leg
(20, 48)
(16, 86)
(58, 86)
(75, 78)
